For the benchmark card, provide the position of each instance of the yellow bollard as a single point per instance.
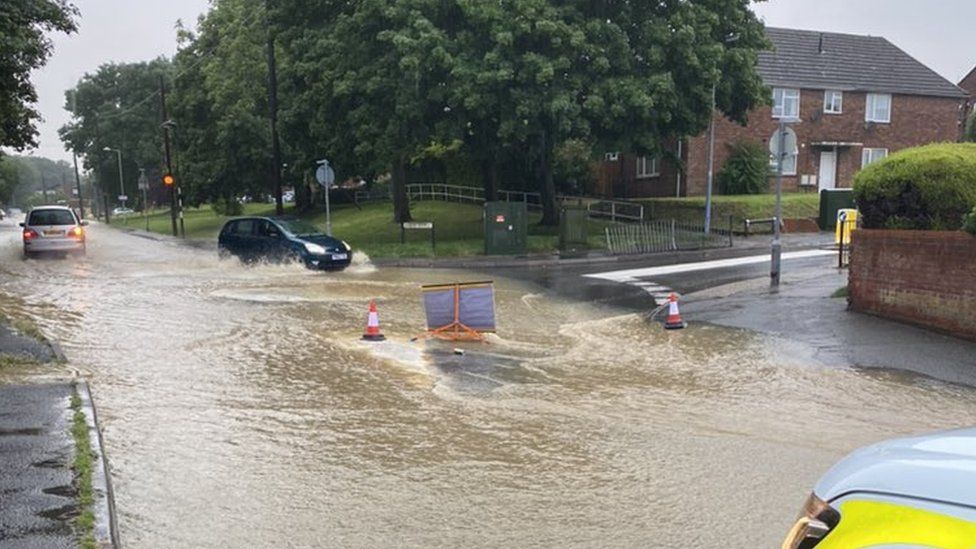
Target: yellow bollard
(846, 223)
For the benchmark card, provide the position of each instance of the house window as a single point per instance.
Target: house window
(786, 103)
(870, 156)
(647, 166)
(789, 159)
(878, 108)
(833, 102)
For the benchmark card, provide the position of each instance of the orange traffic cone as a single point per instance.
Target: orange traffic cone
(372, 332)
(674, 321)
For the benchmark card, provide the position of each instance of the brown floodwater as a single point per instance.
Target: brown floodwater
(240, 409)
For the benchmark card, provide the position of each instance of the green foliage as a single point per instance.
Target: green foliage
(746, 171)
(969, 222)
(970, 130)
(117, 107)
(573, 167)
(226, 206)
(24, 47)
(924, 188)
(24, 179)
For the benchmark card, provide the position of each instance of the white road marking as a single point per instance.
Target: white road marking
(632, 276)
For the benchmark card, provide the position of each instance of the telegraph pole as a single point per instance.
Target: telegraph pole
(169, 160)
(273, 108)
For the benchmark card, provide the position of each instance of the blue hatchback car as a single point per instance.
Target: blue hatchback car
(280, 239)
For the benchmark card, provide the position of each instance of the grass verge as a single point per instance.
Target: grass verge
(459, 228)
(23, 326)
(740, 207)
(82, 466)
(840, 292)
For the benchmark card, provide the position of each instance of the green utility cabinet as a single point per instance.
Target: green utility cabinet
(506, 228)
(573, 230)
(832, 200)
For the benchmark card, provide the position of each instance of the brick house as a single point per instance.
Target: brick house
(856, 98)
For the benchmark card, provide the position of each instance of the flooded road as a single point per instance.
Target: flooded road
(240, 409)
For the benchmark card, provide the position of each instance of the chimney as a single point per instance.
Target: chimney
(821, 47)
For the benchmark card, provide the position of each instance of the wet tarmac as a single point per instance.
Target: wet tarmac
(240, 409)
(38, 502)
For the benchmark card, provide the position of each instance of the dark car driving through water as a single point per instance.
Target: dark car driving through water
(282, 239)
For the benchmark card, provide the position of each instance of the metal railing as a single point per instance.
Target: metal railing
(663, 236)
(614, 210)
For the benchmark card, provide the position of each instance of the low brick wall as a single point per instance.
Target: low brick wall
(922, 277)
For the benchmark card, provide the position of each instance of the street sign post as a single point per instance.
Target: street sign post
(782, 144)
(325, 175)
(417, 226)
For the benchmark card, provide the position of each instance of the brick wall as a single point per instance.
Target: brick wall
(915, 120)
(922, 277)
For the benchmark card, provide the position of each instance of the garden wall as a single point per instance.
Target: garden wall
(922, 277)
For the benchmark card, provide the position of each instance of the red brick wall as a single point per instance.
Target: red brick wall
(915, 120)
(922, 277)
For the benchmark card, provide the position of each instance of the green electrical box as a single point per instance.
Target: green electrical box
(832, 200)
(573, 230)
(506, 228)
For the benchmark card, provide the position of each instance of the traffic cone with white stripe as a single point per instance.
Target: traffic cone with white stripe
(372, 332)
(674, 321)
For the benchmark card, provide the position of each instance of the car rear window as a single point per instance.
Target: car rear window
(51, 217)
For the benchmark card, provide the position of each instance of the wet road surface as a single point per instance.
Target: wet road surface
(240, 410)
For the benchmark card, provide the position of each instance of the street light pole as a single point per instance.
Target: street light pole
(118, 153)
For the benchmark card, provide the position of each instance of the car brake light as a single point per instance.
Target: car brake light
(30, 234)
(77, 232)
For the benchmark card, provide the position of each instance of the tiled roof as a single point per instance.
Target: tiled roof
(846, 62)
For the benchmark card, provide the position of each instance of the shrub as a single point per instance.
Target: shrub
(226, 206)
(746, 171)
(969, 223)
(970, 131)
(925, 188)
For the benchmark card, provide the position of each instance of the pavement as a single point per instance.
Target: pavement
(37, 497)
(15, 344)
(803, 311)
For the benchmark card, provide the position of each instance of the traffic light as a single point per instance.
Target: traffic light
(169, 180)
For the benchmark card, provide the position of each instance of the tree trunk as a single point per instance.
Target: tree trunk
(401, 202)
(489, 178)
(550, 211)
(303, 194)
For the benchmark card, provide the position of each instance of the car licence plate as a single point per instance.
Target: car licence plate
(338, 257)
(53, 233)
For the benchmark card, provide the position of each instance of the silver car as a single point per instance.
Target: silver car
(54, 229)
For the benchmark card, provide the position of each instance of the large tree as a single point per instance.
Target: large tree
(23, 48)
(220, 103)
(377, 75)
(118, 107)
(532, 74)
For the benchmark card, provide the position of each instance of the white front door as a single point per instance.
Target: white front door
(828, 170)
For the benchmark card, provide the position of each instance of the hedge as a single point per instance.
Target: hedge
(746, 171)
(925, 188)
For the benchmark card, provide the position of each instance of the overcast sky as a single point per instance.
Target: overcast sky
(936, 32)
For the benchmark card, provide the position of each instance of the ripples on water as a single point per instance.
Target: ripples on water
(241, 410)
